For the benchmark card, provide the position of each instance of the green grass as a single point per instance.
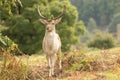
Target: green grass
(33, 60)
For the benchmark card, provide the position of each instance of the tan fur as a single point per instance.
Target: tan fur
(52, 44)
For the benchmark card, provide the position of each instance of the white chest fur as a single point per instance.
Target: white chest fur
(51, 43)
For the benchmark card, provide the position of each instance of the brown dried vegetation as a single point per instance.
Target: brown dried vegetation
(12, 68)
(77, 65)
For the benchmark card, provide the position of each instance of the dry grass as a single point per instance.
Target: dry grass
(12, 68)
(89, 65)
(77, 65)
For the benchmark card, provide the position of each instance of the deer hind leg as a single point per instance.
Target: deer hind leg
(59, 55)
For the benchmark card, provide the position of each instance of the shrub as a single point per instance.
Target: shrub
(102, 41)
(7, 44)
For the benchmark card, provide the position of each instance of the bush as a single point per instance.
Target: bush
(102, 41)
(10, 46)
(5, 41)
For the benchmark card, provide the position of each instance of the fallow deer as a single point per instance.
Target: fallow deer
(51, 42)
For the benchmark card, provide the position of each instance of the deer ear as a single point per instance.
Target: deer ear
(43, 21)
(57, 20)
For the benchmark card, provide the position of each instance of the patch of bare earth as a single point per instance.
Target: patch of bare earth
(41, 73)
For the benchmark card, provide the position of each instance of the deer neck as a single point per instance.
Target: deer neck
(52, 33)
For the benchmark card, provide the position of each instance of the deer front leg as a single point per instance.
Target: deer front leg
(49, 65)
(53, 60)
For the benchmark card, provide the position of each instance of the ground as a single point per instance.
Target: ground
(78, 65)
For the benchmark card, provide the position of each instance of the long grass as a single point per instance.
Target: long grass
(12, 68)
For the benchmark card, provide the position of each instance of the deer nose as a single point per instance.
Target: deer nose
(47, 28)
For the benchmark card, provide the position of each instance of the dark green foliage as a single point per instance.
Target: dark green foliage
(102, 41)
(27, 31)
(7, 5)
(26, 35)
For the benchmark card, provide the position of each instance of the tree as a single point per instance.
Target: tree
(101, 10)
(91, 24)
(7, 4)
(114, 22)
(80, 28)
(26, 29)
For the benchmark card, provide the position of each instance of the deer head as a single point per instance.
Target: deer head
(50, 23)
